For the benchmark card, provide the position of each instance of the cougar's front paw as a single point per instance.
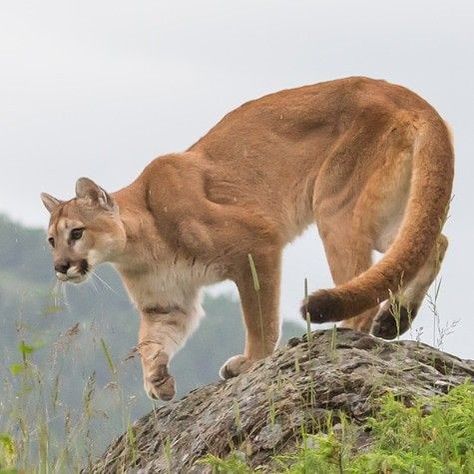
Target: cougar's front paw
(158, 382)
(234, 366)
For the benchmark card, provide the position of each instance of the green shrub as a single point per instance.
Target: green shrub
(433, 436)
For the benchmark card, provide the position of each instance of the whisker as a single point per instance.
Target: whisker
(63, 300)
(105, 283)
(92, 282)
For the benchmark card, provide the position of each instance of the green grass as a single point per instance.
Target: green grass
(434, 436)
(39, 430)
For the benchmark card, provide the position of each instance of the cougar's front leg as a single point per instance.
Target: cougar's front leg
(260, 307)
(162, 332)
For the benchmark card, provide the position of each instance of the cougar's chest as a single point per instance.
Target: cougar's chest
(175, 283)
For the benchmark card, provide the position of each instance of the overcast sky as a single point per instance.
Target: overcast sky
(99, 88)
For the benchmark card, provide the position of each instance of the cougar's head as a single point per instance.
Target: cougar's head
(84, 231)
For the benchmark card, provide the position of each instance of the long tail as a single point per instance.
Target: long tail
(430, 193)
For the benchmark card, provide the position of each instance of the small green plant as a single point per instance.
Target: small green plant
(434, 436)
(307, 315)
(168, 455)
(256, 286)
(235, 463)
(7, 453)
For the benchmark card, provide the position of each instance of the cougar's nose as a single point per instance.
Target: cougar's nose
(62, 267)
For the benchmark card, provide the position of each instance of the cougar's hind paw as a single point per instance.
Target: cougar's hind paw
(392, 321)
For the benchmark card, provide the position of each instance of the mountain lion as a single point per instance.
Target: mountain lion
(369, 162)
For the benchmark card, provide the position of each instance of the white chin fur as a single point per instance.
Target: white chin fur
(75, 278)
(61, 276)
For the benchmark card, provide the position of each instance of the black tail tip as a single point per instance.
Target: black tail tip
(323, 306)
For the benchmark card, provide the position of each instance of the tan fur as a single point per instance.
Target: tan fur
(370, 162)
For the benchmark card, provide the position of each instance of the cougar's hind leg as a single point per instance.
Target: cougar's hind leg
(396, 314)
(349, 253)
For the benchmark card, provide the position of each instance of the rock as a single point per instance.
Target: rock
(296, 389)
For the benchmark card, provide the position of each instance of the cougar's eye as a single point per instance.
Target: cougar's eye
(51, 242)
(76, 234)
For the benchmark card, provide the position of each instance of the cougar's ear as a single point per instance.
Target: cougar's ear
(87, 189)
(50, 202)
